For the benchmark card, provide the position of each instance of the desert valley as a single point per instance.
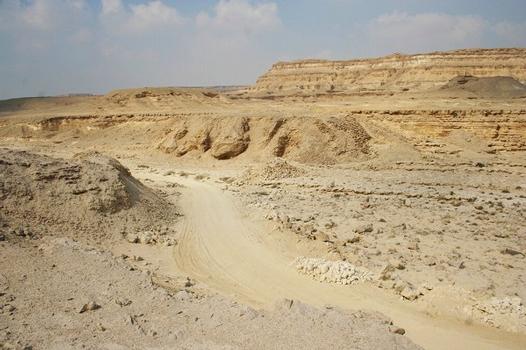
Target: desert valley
(368, 204)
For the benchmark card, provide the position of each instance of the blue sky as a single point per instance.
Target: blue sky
(50, 47)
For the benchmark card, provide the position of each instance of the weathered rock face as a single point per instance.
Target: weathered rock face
(225, 139)
(393, 73)
(232, 139)
(304, 139)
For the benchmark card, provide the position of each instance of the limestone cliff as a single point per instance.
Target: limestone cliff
(388, 74)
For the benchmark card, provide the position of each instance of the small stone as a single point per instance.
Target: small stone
(183, 295)
(386, 272)
(397, 330)
(320, 236)
(409, 293)
(21, 231)
(397, 264)
(131, 238)
(138, 258)
(413, 246)
(330, 224)
(123, 302)
(354, 239)
(364, 228)
(188, 282)
(89, 307)
(145, 238)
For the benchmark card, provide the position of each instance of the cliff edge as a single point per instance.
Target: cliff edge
(389, 74)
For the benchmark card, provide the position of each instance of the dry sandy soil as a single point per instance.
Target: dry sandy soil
(200, 219)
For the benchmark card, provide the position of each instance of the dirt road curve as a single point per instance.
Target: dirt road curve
(235, 256)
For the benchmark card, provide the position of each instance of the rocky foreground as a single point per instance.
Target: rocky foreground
(58, 293)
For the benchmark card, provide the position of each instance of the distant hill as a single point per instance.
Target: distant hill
(389, 74)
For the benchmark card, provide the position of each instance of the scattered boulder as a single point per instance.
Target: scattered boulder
(321, 236)
(386, 272)
(409, 292)
(364, 228)
(397, 330)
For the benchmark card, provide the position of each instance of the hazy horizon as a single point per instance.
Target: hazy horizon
(78, 46)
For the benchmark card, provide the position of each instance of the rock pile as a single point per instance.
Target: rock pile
(276, 169)
(339, 272)
(506, 305)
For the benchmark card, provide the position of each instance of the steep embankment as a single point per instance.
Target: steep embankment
(394, 73)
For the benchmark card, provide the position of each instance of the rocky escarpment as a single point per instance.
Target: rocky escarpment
(324, 139)
(388, 74)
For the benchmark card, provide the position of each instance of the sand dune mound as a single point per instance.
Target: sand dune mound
(91, 197)
(489, 87)
(276, 169)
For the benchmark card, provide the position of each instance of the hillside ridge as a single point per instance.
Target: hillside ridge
(389, 74)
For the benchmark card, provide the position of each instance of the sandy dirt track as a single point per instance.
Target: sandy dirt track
(236, 256)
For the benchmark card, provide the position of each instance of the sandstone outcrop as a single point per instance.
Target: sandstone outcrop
(390, 74)
(307, 140)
